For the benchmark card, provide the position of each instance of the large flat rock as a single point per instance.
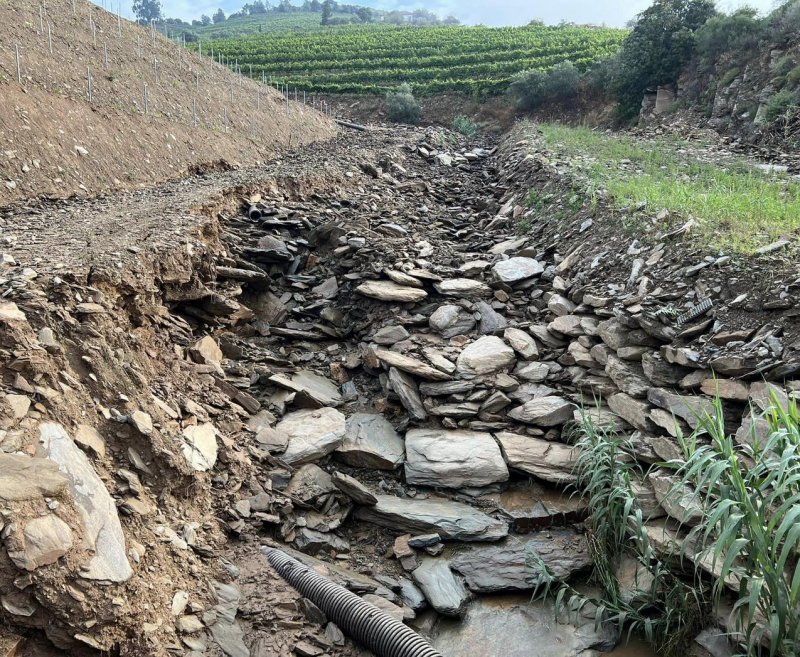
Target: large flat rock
(370, 441)
(312, 434)
(453, 459)
(517, 269)
(508, 565)
(410, 365)
(547, 460)
(511, 626)
(451, 520)
(102, 530)
(391, 291)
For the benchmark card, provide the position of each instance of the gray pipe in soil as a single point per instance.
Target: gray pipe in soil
(362, 621)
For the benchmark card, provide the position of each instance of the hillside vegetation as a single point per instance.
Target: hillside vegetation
(370, 58)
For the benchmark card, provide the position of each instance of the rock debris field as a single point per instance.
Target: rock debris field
(352, 355)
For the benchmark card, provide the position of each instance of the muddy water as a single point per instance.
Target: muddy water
(513, 626)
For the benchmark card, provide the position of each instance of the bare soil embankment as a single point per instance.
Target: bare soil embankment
(55, 143)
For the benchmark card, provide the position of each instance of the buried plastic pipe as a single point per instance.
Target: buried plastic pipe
(254, 213)
(364, 622)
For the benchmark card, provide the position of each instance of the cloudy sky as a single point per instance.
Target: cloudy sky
(489, 12)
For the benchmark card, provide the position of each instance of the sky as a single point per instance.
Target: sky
(490, 12)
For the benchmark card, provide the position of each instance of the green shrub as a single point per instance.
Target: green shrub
(534, 87)
(528, 87)
(726, 33)
(783, 66)
(793, 75)
(562, 81)
(465, 125)
(401, 105)
(779, 104)
(729, 77)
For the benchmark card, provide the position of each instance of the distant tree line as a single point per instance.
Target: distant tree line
(664, 39)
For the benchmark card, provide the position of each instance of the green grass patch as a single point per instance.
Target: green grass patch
(729, 77)
(737, 206)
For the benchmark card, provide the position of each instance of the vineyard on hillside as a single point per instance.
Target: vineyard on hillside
(370, 58)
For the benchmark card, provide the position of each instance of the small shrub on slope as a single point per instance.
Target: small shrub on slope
(465, 125)
(402, 106)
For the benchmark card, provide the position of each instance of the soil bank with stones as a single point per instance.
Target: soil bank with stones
(352, 355)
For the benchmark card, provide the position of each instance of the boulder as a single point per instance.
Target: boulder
(486, 355)
(370, 441)
(102, 531)
(312, 434)
(206, 351)
(453, 459)
(391, 291)
(444, 590)
(90, 439)
(508, 566)
(318, 388)
(451, 520)
(517, 269)
(553, 462)
(491, 321)
(543, 411)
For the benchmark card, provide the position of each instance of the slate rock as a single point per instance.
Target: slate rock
(517, 269)
(450, 321)
(453, 521)
(554, 462)
(522, 343)
(370, 441)
(410, 365)
(102, 531)
(44, 541)
(199, 445)
(312, 433)
(444, 590)
(453, 459)
(23, 478)
(354, 489)
(507, 565)
(486, 355)
(391, 291)
(543, 411)
(462, 287)
(405, 387)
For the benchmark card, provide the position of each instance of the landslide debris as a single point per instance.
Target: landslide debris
(353, 356)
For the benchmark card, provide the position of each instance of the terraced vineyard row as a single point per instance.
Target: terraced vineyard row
(372, 58)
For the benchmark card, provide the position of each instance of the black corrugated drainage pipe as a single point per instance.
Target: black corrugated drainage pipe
(364, 622)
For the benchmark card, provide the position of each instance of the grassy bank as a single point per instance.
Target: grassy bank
(737, 206)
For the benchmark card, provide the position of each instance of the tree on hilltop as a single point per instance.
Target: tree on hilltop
(219, 17)
(326, 12)
(365, 14)
(147, 10)
(205, 20)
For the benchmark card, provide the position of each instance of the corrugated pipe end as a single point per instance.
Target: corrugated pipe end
(362, 621)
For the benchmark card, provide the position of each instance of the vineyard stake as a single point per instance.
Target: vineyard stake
(180, 68)
(194, 111)
(295, 94)
(19, 68)
(254, 126)
(41, 20)
(258, 99)
(139, 46)
(94, 34)
(225, 118)
(231, 91)
(73, 7)
(49, 38)
(89, 83)
(197, 80)
(105, 53)
(146, 107)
